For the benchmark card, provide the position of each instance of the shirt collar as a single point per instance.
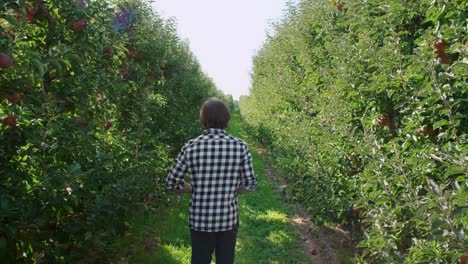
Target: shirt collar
(214, 131)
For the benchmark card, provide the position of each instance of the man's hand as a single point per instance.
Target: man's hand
(242, 190)
(186, 189)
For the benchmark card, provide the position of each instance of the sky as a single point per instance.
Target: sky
(224, 35)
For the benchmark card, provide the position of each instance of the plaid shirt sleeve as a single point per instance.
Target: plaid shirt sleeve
(175, 179)
(248, 179)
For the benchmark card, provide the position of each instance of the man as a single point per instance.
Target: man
(220, 168)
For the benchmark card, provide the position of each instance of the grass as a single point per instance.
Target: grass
(265, 234)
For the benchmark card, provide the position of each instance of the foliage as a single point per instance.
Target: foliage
(364, 106)
(90, 105)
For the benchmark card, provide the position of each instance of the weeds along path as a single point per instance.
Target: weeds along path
(271, 231)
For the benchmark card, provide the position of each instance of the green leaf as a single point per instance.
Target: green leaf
(454, 170)
(75, 59)
(12, 20)
(39, 67)
(68, 209)
(35, 55)
(441, 123)
(57, 66)
(75, 167)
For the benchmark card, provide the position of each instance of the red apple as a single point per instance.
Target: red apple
(123, 72)
(5, 61)
(444, 60)
(440, 53)
(30, 18)
(109, 52)
(30, 10)
(430, 132)
(9, 121)
(15, 98)
(462, 259)
(108, 124)
(383, 121)
(80, 25)
(313, 251)
(339, 7)
(440, 44)
(442, 56)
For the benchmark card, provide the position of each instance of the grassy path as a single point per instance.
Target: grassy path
(265, 233)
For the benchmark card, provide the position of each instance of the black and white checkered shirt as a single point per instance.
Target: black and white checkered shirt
(217, 164)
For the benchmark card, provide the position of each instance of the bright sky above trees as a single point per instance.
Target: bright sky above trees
(224, 35)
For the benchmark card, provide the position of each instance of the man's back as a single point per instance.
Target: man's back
(217, 164)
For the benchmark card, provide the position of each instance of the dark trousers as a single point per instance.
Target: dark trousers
(222, 243)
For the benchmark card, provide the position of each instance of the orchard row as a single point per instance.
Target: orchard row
(96, 97)
(363, 105)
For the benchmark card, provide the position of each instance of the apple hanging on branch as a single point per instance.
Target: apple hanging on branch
(123, 72)
(462, 259)
(15, 98)
(439, 50)
(383, 121)
(108, 124)
(442, 56)
(30, 13)
(109, 52)
(440, 44)
(9, 121)
(80, 25)
(5, 61)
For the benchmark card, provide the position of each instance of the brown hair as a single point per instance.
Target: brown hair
(214, 113)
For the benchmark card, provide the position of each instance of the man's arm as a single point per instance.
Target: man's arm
(242, 190)
(175, 179)
(248, 182)
(186, 189)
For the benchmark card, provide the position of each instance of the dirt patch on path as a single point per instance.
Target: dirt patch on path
(326, 242)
